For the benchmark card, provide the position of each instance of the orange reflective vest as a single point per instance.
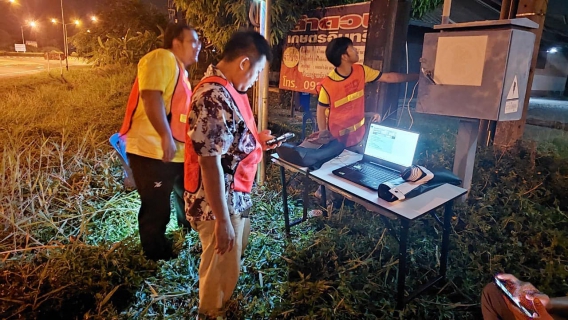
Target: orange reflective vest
(179, 107)
(346, 119)
(246, 168)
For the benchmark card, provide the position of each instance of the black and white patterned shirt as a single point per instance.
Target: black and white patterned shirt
(217, 128)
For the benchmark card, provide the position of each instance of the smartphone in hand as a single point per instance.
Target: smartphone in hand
(282, 138)
(510, 290)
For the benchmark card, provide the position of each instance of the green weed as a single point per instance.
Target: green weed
(69, 242)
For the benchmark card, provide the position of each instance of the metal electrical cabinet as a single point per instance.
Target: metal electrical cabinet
(476, 70)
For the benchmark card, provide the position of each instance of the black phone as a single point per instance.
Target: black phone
(282, 138)
(502, 285)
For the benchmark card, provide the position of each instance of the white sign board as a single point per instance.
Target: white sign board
(20, 47)
(31, 43)
(460, 60)
(512, 106)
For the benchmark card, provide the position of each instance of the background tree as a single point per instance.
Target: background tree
(218, 19)
(128, 49)
(421, 7)
(6, 41)
(127, 26)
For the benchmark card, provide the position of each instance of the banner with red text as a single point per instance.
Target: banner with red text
(303, 62)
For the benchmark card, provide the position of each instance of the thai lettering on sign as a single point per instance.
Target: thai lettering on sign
(303, 62)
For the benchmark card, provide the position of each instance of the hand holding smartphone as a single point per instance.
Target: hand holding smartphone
(282, 138)
(516, 297)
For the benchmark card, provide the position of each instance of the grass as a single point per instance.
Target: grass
(69, 243)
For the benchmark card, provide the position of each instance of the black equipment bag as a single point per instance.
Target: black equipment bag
(309, 157)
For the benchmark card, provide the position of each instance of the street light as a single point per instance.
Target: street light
(15, 3)
(31, 24)
(64, 25)
(94, 19)
(75, 22)
(552, 50)
(65, 44)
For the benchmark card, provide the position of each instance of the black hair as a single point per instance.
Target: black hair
(336, 48)
(174, 31)
(247, 43)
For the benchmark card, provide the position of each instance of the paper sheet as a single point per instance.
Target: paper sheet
(460, 60)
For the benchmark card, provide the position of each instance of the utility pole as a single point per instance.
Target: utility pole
(487, 127)
(386, 36)
(65, 49)
(507, 133)
(262, 98)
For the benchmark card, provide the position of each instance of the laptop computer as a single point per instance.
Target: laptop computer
(388, 151)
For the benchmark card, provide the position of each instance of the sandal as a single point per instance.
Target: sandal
(315, 213)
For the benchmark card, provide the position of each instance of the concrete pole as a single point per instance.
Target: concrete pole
(65, 50)
(487, 127)
(446, 11)
(468, 132)
(262, 122)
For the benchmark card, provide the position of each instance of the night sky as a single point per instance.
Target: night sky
(13, 16)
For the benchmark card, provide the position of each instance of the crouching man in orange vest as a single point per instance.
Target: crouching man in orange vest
(221, 156)
(341, 101)
(155, 131)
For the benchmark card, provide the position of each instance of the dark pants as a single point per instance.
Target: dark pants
(155, 181)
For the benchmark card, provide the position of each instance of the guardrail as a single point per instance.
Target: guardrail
(21, 54)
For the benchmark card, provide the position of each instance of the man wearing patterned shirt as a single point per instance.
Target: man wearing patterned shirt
(222, 154)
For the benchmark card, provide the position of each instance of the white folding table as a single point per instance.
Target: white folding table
(406, 211)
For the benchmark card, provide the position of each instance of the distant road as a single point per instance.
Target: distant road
(22, 66)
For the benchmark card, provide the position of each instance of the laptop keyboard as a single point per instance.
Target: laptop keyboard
(368, 175)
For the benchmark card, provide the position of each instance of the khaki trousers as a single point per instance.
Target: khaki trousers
(218, 274)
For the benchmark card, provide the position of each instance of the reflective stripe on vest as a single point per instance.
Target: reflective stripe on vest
(246, 168)
(179, 107)
(349, 98)
(352, 128)
(347, 106)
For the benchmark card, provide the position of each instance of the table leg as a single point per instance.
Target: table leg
(390, 228)
(404, 226)
(448, 213)
(324, 201)
(285, 201)
(401, 282)
(305, 198)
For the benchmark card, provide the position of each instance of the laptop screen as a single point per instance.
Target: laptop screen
(392, 145)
